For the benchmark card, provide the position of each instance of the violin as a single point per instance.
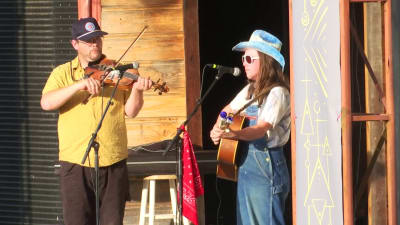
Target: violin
(105, 72)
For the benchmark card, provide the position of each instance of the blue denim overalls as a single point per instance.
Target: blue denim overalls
(263, 182)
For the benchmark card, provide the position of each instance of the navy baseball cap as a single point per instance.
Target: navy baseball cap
(86, 28)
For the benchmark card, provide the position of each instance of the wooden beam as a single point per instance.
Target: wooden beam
(90, 8)
(192, 68)
(369, 117)
(346, 112)
(84, 7)
(96, 10)
(362, 1)
(390, 126)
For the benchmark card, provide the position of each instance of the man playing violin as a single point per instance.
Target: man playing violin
(66, 90)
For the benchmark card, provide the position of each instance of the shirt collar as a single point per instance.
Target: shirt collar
(75, 63)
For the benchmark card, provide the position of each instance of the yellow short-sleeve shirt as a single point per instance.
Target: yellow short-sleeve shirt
(78, 121)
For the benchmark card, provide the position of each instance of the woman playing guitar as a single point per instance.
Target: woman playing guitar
(263, 176)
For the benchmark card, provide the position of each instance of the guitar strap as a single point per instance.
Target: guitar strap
(254, 99)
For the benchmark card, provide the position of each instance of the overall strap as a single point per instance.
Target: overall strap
(254, 99)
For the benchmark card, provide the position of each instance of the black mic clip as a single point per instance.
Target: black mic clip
(120, 70)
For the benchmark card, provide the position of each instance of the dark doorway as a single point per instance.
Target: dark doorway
(222, 24)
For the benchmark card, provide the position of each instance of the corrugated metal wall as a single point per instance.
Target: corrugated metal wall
(34, 38)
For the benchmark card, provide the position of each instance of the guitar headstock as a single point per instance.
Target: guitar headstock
(161, 87)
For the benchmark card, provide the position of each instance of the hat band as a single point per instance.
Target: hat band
(259, 39)
(87, 34)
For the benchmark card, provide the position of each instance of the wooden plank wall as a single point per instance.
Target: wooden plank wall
(160, 53)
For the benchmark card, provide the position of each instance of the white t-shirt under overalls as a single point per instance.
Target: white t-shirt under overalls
(274, 110)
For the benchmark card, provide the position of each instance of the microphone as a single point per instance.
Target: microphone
(123, 68)
(113, 72)
(224, 69)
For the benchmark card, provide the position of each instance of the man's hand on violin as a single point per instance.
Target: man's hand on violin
(135, 100)
(142, 84)
(91, 85)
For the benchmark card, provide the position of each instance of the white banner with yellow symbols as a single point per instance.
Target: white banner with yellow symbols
(317, 108)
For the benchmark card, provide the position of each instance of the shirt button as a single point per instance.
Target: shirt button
(267, 159)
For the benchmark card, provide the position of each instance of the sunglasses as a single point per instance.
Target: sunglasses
(91, 41)
(249, 59)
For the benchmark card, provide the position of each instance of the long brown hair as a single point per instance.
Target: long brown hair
(270, 76)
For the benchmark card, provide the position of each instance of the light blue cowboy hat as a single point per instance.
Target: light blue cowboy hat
(264, 42)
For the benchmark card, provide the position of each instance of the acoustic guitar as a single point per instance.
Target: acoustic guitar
(228, 149)
(227, 152)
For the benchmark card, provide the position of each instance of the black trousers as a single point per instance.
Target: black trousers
(78, 193)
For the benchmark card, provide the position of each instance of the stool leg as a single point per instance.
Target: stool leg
(143, 204)
(186, 221)
(172, 193)
(152, 201)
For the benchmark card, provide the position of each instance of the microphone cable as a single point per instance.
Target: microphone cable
(219, 201)
(201, 82)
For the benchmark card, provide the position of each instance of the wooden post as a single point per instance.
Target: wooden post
(95, 10)
(90, 8)
(192, 72)
(192, 68)
(346, 112)
(390, 126)
(84, 8)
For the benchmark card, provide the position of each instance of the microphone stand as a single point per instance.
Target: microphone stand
(177, 141)
(95, 145)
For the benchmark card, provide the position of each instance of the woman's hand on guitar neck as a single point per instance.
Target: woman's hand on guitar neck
(216, 133)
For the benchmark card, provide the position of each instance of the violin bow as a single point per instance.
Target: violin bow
(134, 41)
